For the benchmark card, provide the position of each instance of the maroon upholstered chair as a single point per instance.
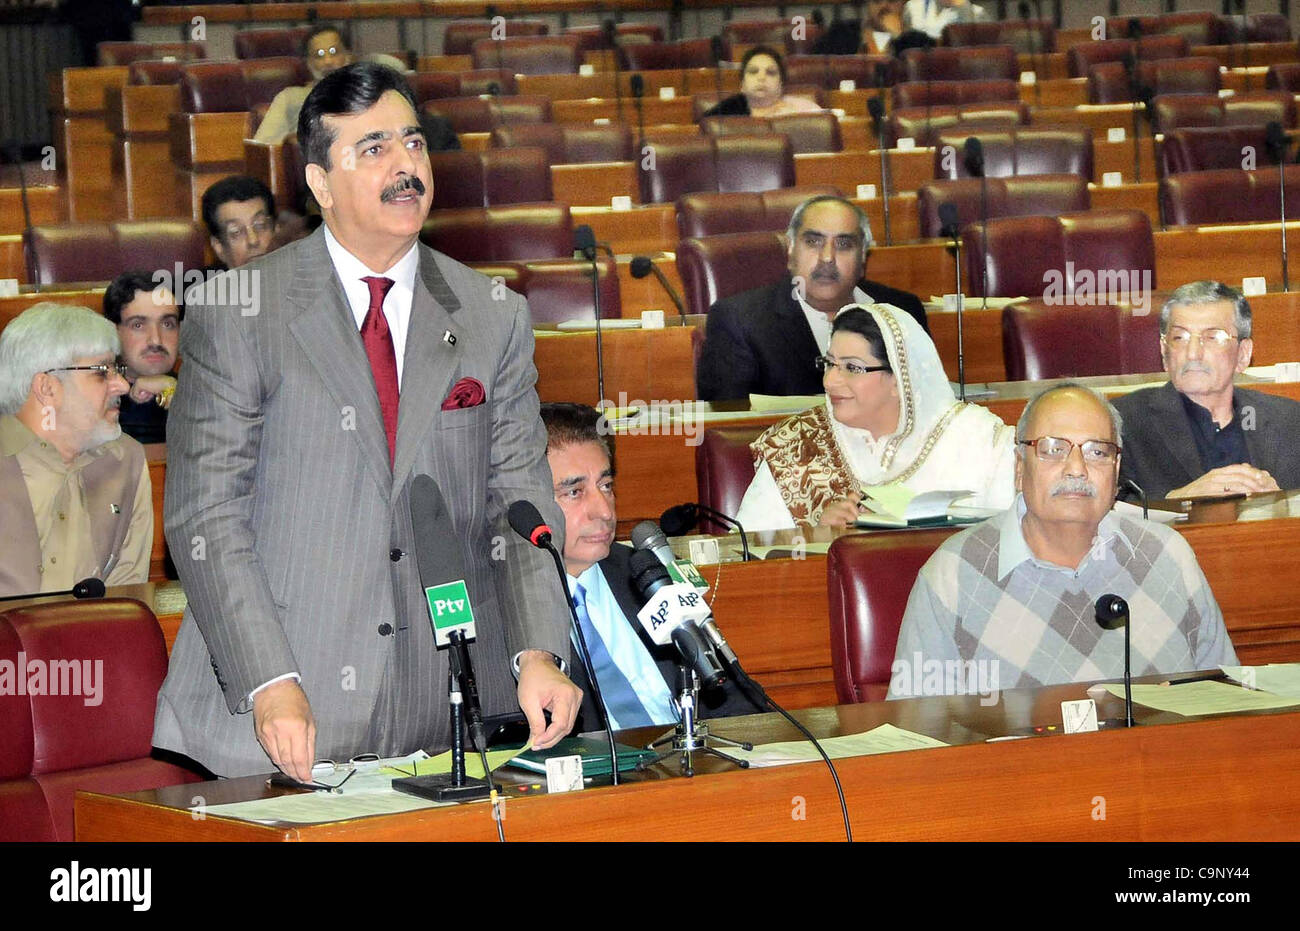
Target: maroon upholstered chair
(1259, 27)
(271, 43)
(1022, 151)
(1043, 342)
(828, 71)
(1228, 195)
(569, 143)
(1082, 56)
(1284, 76)
(266, 77)
(596, 38)
(724, 468)
(1073, 247)
(460, 35)
(532, 55)
(943, 93)
(926, 124)
(101, 251)
(214, 87)
(982, 63)
(98, 739)
(123, 53)
(154, 71)
(560, 289)
(484, 114)
(661, 56)
(494, 81)
(1204, 148)
(776, 33)
(1257, 108)
(434, 85)
(1198, 28)
(501, 234)
(869, 578)
(729, 163)
(1029, 195)
(490, 178)
(1034, 36)
(808, 132)
(714, 267)
(1109, 82)
(706, 214)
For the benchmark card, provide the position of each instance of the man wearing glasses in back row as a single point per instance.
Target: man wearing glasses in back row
(75, 496)
(1197, 436)
(1015, 595)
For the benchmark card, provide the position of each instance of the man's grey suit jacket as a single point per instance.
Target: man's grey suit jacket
(292, 533)
(1160, 452)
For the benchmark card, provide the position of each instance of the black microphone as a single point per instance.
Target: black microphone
(1278, 149)
(584, 242)
(715, 49)
(643, 266)
(611, 39)
(876, 110)
(1243, 37)
(1134, 28)
(1034, 50)
(668, 618)
(950, 227)
(1112, 613)
(526, 521)
(637, 84)
(974, 160)
(1130, 61)
(1129, 483)
(681, 519)
(86, 588)
(14, 150)
(493, 89)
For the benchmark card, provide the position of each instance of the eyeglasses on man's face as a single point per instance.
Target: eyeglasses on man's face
(103, 369)
(1217, 338)
(826, 363)
(1058, 449)
(236, 232)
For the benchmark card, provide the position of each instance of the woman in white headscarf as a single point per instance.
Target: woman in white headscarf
(890, 417)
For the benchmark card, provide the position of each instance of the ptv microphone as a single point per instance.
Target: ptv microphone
(672, 614)
(974, 160)
(950, 227)
(86, 588)
(643, 266)
(1278, 146)
(876, 110)
(1112, 613)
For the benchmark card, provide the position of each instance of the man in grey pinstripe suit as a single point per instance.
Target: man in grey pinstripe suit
(290, 463)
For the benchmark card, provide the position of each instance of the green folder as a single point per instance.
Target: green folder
(594, 752)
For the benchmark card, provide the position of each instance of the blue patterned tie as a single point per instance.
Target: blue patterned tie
(621, 699)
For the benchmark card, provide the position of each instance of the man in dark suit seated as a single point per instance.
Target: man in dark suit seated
(1197, 435)
(765, 341)
(637, 678)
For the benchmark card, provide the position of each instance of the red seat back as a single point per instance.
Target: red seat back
(490, 178)
(214, 87)
(271, 43)
(730, 163)
(714, 267)
(1228, 195)
(827, 71)
(1043, 342)
(724, 469)
(1035, 36)
(1029, 195)
(1204, 148)
(266, 77)
(560, 289)
(925, 124)
(101, 251)
(981, 63)
(501, 234)
(1017, 152)
(459, 36)
(808, 132)
(484, 114)
(1084, 55)
(944, 93)
(532, 55)
(569, 144)
(708, 214)
(123, 53)
(661, 56)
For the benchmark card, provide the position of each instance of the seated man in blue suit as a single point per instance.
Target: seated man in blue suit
(637, 678)
(766, 341)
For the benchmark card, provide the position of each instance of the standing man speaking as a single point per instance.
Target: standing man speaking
(295, 433)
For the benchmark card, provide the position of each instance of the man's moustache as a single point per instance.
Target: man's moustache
(410, 183)
(1189, 367)
(1074, 486)
(826, 273)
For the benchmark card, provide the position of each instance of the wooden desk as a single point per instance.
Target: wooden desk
(82, 142)
(1246, 787)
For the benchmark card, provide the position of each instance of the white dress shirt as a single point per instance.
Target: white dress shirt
(820, 323)
(397, 304)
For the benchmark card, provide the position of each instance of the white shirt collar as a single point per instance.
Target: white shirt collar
(1013, 549)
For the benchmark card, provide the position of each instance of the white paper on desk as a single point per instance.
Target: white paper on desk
(1203, 697)
(1275, 678)
(808, 549)
(317, 807)
(883, 739)
(977, 303)
(793, 403)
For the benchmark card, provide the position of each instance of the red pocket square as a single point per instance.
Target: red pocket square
(468, 392)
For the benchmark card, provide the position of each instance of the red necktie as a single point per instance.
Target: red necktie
(378, 340)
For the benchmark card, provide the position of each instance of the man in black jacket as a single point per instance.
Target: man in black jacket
(638, 679)
(766, 341)
(1198, 435)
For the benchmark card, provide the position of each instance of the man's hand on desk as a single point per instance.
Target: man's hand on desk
(542, 687)
(842, 512)
(283, 723)
(1228, 480)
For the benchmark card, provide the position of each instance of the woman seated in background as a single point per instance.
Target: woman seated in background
(762, 88)
(890, 416)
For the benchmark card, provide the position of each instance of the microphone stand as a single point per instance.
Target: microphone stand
(691, 735)
(1112, 611)
(876, 108)
(1034, 38)
(952, 230)
(611, 33)
(589, 253)
(1130, 64)
(16, 153)
(727, 519)
(1281, 189)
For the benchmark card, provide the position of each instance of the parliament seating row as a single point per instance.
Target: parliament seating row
(439, 85)
(1229, 195)
(1196, 28)
(87, 725)
(1114, 82)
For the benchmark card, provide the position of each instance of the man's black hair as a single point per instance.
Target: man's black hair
(236, 188)
(349, 90)
(321, 28)
(123, 291)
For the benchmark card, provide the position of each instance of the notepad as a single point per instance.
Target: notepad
(1203, 697)
(883, 739)
(896, 505)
